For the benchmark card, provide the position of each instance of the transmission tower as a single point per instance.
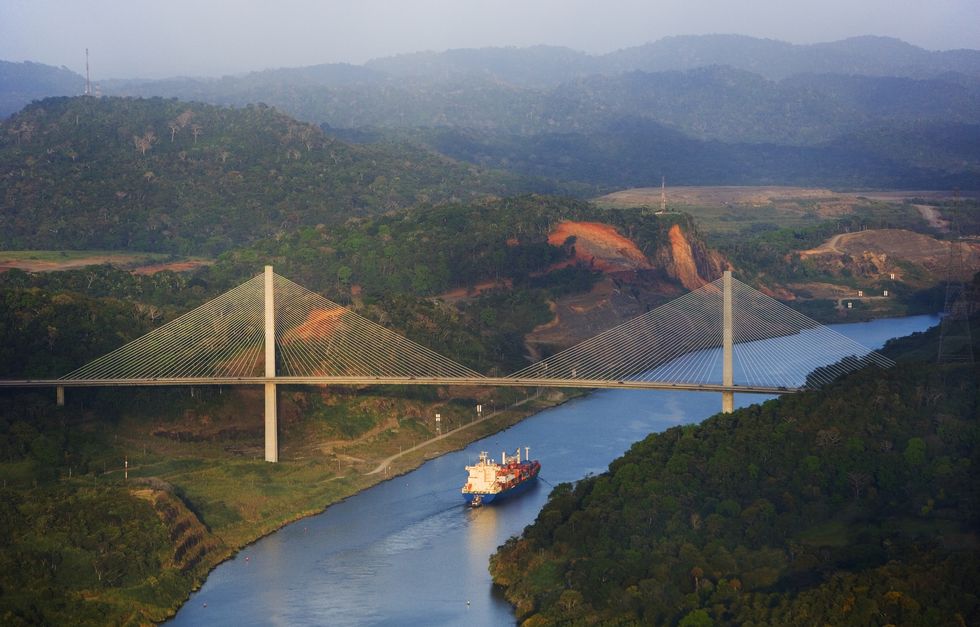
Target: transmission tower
(955, 337)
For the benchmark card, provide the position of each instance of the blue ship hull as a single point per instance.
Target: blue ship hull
(490, 498)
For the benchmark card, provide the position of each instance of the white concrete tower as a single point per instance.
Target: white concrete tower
(727, 398)
(271, 420)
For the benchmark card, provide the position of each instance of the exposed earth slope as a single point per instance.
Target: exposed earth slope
(911, 256)
(632, 282)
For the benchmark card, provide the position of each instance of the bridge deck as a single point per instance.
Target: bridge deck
(628, 384)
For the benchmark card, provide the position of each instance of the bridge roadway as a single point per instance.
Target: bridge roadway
(627, 384)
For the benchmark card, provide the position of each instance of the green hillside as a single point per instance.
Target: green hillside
(161, 175)
(20, 83)
(634, 152)
(853, 505)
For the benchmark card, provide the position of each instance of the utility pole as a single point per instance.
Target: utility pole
(955, 337)
(271, 420)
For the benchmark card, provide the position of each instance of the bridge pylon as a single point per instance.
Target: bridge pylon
(727, 373)
(271, 416)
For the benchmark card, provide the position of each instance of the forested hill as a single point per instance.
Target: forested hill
(719, 110)
(21, 83)
(427, 251)
(162, 175)
(715, 102)
(864, 112)
(854, 505)
(636, 152)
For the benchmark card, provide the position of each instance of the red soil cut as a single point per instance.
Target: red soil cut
(600, 246)
(461, 293)
(687, 270)
(319, 323)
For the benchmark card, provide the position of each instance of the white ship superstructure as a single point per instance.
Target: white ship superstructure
(488, 480)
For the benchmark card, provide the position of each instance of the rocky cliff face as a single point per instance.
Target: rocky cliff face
(682, 258)
(634, 281)
(688, 260)
(600, 246)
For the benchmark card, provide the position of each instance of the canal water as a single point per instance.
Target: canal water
(407, 551)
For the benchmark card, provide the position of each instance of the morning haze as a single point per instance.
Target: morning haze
(283, 278)
(188, 38)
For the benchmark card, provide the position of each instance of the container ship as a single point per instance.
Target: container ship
(489, 481)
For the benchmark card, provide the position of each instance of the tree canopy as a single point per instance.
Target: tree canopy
(847, 504)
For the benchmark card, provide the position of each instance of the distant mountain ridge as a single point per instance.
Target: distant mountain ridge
(713, 102)
(20, 83)
(770, 58)
(538, 66)
(865, 55)
(738, 110)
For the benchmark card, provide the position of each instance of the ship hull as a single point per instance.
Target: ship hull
(483, 498)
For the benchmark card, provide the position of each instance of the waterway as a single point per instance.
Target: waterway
(407, 551)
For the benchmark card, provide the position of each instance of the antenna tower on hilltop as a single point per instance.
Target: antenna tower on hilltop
(88, 83)
(663, 194)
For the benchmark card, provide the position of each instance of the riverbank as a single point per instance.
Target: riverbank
(852, 496)
(382, 538)
(159, 487)
(297, 488)
(235, 498)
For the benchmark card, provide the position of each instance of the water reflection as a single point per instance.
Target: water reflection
(481, 529)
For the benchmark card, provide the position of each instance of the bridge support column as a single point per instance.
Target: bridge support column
(271, 417)
(727, 398)
(59, 392)
(271, 424)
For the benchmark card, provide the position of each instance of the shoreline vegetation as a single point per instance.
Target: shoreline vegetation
(199, 503)
(853, 504)
(404, 462)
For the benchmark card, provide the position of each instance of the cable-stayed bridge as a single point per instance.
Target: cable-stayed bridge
(723, 337)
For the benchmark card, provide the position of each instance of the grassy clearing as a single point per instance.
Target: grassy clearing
(56, 256)
(226, 494)
(750, 211)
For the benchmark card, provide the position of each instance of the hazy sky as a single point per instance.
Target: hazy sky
(158, 38)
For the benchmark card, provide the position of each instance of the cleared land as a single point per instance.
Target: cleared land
(725, 210)
(57, 260)
(895, 250)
